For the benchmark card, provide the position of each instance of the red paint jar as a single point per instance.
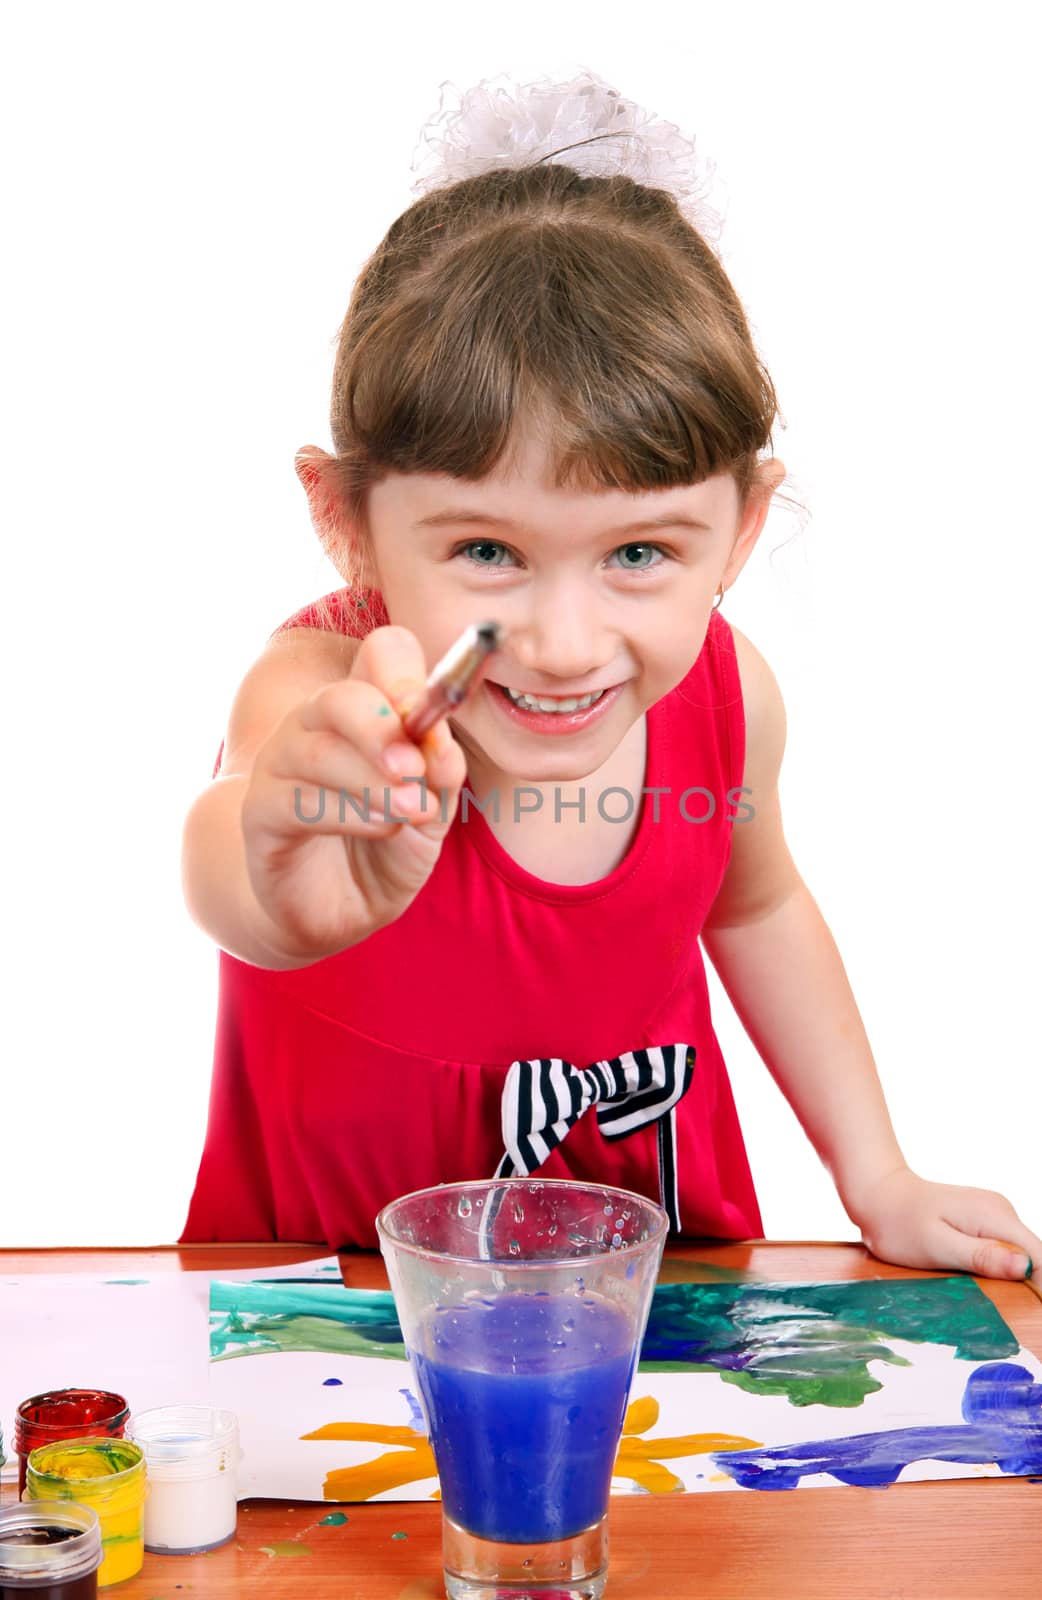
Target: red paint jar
(49, 1550)
(66, 1414)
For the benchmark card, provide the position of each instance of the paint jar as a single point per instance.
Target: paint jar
(192, 1458)
(109, 1476)
(66, 1414)
(49, 1550)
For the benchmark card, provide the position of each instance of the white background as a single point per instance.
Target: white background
(191, 192)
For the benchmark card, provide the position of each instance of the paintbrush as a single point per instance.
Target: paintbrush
(453, 677)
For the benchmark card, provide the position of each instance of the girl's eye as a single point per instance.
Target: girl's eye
(634, 557)
(483, 552)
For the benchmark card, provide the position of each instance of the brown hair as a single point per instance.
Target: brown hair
(588, 306)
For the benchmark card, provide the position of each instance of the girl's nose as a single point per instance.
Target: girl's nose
(562, 638)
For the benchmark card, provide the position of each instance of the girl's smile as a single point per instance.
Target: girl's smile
(552, 714)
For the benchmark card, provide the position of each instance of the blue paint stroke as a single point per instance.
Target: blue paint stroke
(416, 1417)
(332, 1383)
(1002, 1409)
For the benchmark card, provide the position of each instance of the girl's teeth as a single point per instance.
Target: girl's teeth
(529, 703)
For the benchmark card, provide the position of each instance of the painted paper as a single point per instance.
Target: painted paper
(740, 1386)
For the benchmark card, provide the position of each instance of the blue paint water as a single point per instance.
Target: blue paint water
(525, 1395)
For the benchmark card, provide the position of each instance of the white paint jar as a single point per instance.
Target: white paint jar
(192, 1461)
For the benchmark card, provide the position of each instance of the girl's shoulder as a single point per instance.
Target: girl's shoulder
(760, 870)
(763, 707)
(350, 612)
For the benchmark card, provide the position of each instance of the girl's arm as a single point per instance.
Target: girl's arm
(273, 873)
(217, 889)
(782, 971)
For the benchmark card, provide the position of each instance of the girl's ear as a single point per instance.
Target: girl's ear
(341, 541)
(311, 465)
(768, 477)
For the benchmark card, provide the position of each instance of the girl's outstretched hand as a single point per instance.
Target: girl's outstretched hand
(326, 858)
(914, 1223)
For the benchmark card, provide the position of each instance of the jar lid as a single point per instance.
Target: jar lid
(72, 1406)
(48, 1539)
(99, 1460)
(183, 1433)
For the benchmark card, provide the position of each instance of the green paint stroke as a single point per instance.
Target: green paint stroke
(813, 1342)
(249, 1318)
(336, 1519)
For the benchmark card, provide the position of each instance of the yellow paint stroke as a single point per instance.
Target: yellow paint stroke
(639, 1460)
(391, 1471)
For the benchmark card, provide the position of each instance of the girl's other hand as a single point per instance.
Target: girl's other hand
(914, 1223)
(342, 758)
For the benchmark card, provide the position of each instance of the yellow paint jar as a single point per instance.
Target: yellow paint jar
(107, 1475)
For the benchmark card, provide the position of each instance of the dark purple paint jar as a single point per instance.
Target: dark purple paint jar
(49, 1550)
(65, 1414)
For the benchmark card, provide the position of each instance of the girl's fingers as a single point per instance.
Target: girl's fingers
(342, 762)
(1023, 1251)
(353, 721)
(983, 1214)
(391, 659)
(446, 762)
(374, 810)
(984, 1228)
(984, 1257)
(332, 769)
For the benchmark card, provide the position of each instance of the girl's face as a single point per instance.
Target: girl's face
(591, 603)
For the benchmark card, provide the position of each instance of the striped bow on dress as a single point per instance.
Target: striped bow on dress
(543, 1099)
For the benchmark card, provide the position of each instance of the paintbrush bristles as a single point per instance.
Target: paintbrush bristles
(454, 676)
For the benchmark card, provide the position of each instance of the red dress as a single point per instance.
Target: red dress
(337, 1087)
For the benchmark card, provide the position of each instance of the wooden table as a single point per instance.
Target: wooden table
(973, 1539)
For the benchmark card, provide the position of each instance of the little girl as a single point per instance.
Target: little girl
(481, 953)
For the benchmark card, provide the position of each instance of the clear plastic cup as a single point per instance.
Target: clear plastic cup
(523, 1305)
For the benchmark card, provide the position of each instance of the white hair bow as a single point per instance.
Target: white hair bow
(502, 124)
